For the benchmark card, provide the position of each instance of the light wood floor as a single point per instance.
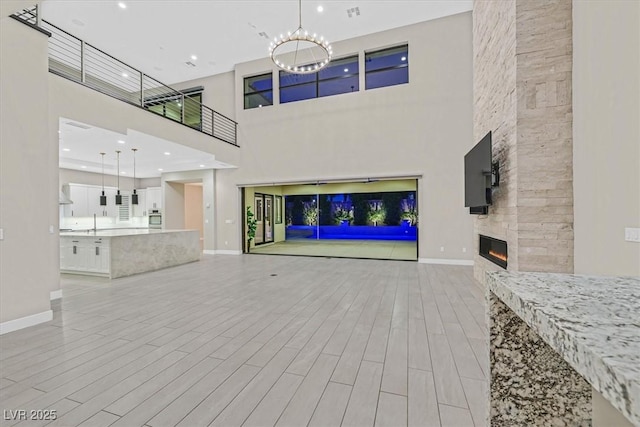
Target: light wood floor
(258, 341)
(372, 249)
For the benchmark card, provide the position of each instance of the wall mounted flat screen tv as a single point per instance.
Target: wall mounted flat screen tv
(477, 174)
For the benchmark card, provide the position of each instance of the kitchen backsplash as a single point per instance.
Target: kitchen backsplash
(84, 223)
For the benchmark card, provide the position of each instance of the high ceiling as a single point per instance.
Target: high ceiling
(159, 37)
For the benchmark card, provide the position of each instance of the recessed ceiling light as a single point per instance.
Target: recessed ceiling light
(123, 173)
(59, 131)
(404, 58)
(201, 166)
(160, 169)
(66, 149)
(83, 167)
(166, 153)
(320, 9)
(194, 58)
(120, 141)
(125, 75)
(122, 5)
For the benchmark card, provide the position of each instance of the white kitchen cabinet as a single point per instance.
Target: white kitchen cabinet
(140, 209)
(73, 253)
(98, 255)
(89, 255)
(154, 199)
(112, 208)
(78, 195)
(93, 195)
(66, 253)
(86, 201)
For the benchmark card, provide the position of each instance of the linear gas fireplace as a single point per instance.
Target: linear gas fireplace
(494, 250)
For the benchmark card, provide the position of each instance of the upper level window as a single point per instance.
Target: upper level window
(340, 76)
(258, 91)
(172, 104)
(387, 67)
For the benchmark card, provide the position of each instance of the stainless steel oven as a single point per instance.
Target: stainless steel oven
(155, 219)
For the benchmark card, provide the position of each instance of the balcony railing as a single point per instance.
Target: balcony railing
(76, 60)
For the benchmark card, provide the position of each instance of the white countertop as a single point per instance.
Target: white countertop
(118, 232)
(592, 322)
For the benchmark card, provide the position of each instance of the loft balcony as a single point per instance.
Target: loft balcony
(76, 60)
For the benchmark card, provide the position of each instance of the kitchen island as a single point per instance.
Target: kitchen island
(117, 253)
(564, 349)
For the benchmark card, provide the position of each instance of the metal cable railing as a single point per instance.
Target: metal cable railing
(29, 15)
(76, 60)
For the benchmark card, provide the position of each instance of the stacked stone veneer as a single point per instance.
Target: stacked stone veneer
(522, 93)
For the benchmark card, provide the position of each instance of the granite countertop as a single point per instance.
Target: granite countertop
(118, 232)
(592, 322)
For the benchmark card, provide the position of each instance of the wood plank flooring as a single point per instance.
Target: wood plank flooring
(348, 248)
(257, 340)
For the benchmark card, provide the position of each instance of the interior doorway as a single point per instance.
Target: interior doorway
(183, 203)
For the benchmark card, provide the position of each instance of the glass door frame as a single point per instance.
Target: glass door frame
(266, 216)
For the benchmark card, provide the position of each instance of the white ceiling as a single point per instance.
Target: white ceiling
(159, 36)
(80, 149)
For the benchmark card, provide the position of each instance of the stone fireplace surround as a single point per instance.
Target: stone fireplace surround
(522, 92)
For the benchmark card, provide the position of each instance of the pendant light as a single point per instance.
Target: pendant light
(134, 196)
(118, 196)
(103, 198)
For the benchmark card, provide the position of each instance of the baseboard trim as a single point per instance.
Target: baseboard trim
(25, 322)
(228, 252)
(55, 294)
(221, 252)
(445, 261)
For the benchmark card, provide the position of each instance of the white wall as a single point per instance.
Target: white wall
(421, 128)
(76, 102)
(219, 92)
(606, 133)
(173, 205)
(193, 208)
(228, 226)
(29, 258)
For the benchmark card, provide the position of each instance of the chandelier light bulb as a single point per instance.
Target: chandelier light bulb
(299, 52)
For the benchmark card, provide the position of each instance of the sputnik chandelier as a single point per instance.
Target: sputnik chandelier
(300, 52)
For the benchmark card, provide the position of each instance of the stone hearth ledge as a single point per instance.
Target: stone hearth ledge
(592, 323)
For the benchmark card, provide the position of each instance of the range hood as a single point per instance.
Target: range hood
(63, 199)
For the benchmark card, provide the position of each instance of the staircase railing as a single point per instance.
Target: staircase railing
(72, 58)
